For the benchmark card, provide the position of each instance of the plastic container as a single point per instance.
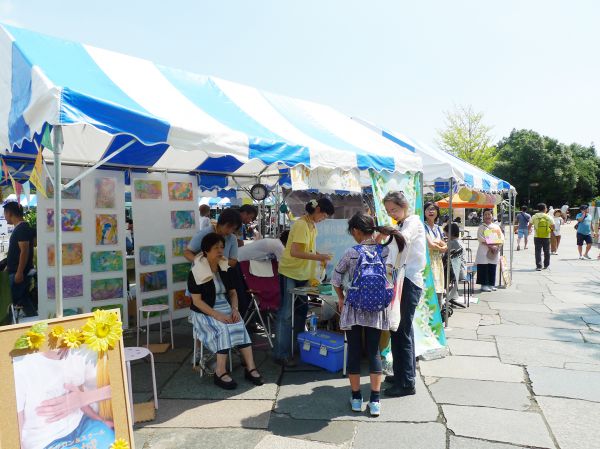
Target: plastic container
(313, 322)
(326, 289)
(324, 349)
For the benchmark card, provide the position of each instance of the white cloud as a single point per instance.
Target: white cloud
(7, 8)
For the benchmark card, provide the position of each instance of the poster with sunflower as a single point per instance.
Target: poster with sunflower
(65, 384)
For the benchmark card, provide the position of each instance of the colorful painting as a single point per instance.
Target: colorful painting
(106, 229)
(180, 244)
(72, 254)
(102, 261)
(147, 190)
(181, 271)
(181, 191)
(152, 281)
(72, 193)
(107, 289)
(105, 193)
(180, 300)
(72, 287)
(156, 300)
(183, 219)
(152, 255)
(70, 220)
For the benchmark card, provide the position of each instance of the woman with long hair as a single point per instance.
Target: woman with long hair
(490, 237)
(437, 246)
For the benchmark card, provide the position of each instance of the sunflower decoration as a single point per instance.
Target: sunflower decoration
(119, 444)
(102, 331)
(34, 338)
(72, 338)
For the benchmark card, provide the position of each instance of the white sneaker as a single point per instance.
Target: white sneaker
(486, 288)
(587, 257)
(494, 288)
(580, 257)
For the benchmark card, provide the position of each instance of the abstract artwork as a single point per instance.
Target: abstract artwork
(181, 271)
(152, 255)
(72, 193)
(107, 289)
(72, 254)
(72, 287)
(70, 220)
(183, 219)
(106, 229)
(105, 193)
(181, 191)
(180, 300)
(147, 190)
(152, 281)
(102, 261)
(180, 244)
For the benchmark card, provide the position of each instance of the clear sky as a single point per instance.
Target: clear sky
(525, 63)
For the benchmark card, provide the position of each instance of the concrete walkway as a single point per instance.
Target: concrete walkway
(524, 372)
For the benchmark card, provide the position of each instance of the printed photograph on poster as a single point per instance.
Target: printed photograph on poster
(181, 191)
(153, 281)
(147, 189)
(152, 255)
(72, 193)
(181, 271)
(70, 220)
(105, 193)
(183, 219)
(180, 300)
(180, 244)
(72, 287)
(107, 289)
(106, 229)
(72, 254)
(164, 299)
(102, 261)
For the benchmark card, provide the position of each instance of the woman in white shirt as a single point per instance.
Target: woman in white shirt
(555, 236)
(488, 254)
(437, 246)
(413, 258)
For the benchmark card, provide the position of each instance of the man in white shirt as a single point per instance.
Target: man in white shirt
(262, 249)
(204, 217)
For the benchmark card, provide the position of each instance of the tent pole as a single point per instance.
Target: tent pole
(448, 263)
(58, 280)
(512, 201)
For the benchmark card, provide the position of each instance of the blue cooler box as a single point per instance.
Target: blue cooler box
(324, 349)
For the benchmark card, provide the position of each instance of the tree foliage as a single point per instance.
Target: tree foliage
(467, 137)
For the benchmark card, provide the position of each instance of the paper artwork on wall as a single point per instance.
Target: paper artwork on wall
(72, 287)
(180, 244)
(180, 191)
(105, 193)
(72, 254)
(152, 255)
(70, 220)
(180, 300)
(181, 271)
(183, 219)
(147, 189)
(107, 289)
(72, 193)
(106, 229)
(152, 281)
(102, 261)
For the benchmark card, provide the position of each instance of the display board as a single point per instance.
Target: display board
(93, 232)
(333, 238)
(165, 218)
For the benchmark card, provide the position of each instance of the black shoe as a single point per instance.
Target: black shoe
(397, 391)
(286, 363)
(258, 381)
(219, 382)
(538, 269)
(390, 379)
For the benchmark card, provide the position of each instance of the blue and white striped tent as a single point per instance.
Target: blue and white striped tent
(172, 119)
(439, 166)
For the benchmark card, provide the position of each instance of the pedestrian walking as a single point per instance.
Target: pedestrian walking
(555, 240)
(543, 225)
(584, 232)
(490, 239)
(523, 223)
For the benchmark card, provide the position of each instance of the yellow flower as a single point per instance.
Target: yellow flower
(102, 331)
(35, 340)
(119, 444)
(57, 331)
(72, 338)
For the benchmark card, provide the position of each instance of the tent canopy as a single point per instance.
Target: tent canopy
(457, 203)
(172, 119)
(439, 165)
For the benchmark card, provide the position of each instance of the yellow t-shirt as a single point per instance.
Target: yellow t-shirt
(303, 233)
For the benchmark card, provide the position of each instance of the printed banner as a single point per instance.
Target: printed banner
(325, 180)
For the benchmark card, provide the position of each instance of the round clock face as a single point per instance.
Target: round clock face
(259, 192)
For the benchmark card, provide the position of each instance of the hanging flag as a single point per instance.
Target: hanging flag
(47, 139)
(5, 170)
(37, 173)
(17, 187)
(27, 193)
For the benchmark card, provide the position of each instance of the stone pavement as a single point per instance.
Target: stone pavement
(523, 372)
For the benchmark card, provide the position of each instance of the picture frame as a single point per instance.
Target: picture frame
(110, 363)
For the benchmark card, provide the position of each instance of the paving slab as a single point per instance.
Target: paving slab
(518, 306)
(273, 441)
(487, 320)
(509, 426)
(507, 395)
(539, 333)
(325, 396)
(466, 334)
(177, 355)
(574, 423)
(591, 336)
(465, 320)
(521, 297)
(531, 352)
(334, 432)
(401, 435)
(481, 308)
(591, 319)
(523, 289)
(568, 309)
(551, 320)
(472, 347)
(477, 368)
(565, 383)
(180, 413)
(582, 366)
(141, 375)
(198, 438)
(468, 443)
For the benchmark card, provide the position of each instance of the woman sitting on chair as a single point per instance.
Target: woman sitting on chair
(215, 316)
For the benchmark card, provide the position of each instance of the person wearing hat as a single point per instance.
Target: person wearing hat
(584, 232)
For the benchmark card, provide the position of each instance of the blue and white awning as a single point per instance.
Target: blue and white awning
(178, 120)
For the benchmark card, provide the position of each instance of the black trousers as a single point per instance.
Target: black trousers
(542, 245)
(486, 274)
(354, 337)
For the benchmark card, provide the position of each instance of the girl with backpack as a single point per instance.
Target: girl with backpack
(365, 293)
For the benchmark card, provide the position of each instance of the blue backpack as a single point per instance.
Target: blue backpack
(370, 290)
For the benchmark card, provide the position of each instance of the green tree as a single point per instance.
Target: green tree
(467, 137)
(587, 164)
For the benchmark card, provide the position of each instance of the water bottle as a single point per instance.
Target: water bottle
(312, 326)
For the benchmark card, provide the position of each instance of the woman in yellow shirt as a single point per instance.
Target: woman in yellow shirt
(296, 267)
